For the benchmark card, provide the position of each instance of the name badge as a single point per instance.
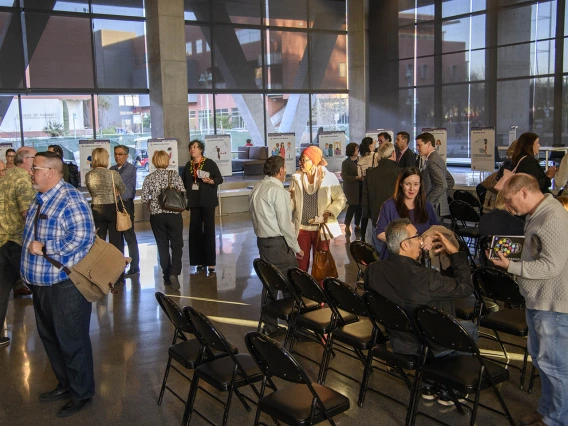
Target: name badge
(195, 187)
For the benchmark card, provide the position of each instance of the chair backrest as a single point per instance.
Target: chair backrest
(463, 212)
(175, 314)
(270, 276)
(437, 328)
(344, 297)
(304, 285)
(497, 285)
(466, 197)
(386, 313)
(484, 244)
(273, 359)
(363, 253)
(206, 332)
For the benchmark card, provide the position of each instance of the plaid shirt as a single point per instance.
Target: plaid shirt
(65, 226)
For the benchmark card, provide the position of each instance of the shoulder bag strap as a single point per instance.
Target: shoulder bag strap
(515, 169)
(170, 179)
(54, 262)
(115, 196)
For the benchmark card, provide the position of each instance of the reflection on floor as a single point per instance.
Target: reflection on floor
(130, 337)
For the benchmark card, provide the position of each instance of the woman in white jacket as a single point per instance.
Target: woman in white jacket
(315, 192)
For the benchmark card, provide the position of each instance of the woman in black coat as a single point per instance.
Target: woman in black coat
(201, 178)
(352, 186)
(524, 160)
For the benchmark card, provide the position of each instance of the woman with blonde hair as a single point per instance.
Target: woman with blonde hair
(99, 181)
(167, 225)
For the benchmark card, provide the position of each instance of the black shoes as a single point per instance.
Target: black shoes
(132, 272)
(72, 407)
(54, 395)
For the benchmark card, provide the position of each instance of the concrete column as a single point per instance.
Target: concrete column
(167, 69)
(358, 82)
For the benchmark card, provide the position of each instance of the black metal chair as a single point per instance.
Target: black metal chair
(392, 317)
(462, 215)
(356, 337)
(363, 254)
(273, 282)
(304, 402)
(315, 325)
(481, 191)
(467, 197)
(187, 352)
(499, 286)
(468, 373)
(227, 374)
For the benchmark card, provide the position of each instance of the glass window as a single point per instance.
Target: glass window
(61, 120)
(463, 34)
(196, 10)
(246, 120)
(328, 14)
(459, 7)
(9, 3)
(330, 111)
(57, 60)
(543, 108)
(406, 111)
(424, 107)
(237, 53)
(565, 110)
(463, 66)
(200, 115)
(406, 36)
(425, 71)
(9, 120)
(67, 6)
(406, 73)
(328, 51)
(513, 61)
(286, 60)
(11, 54)
(287, 13)
(198, 62)
(425, 39)
(527, 23)
(237, 11)
(119, 7)
(409, 14)
(544, 17)
(120, 54)
(288, 113)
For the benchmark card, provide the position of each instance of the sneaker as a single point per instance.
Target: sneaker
(132, 272)
(4, 341)
(444, 399)
(429, 394)
(174, 282)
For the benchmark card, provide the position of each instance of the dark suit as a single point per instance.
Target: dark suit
(408, 159)
(379, 186)
(435, 183)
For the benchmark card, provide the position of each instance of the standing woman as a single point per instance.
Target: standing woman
(202, 200)
(315, 191)
(352, 185)
(99, 181)
(369, 159)
(167, 225)
(524, 160)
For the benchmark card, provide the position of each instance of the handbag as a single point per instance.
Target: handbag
(123, 221)
(507, 174)
(172, 199)
(324, 264)
(95, 274)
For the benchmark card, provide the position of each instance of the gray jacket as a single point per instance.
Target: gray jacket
(435, 183)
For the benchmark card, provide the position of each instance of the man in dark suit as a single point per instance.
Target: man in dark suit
(405, 156)
(378, 187)
(434, 174)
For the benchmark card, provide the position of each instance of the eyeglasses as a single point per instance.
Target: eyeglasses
(304, 159)
(118, 153)
(35, 168)
(411, 238)
(10, 155)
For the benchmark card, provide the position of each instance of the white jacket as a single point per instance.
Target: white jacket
(330, 198)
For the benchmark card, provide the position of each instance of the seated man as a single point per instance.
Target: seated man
(404, 281)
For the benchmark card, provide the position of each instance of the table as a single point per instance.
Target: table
(547, 150)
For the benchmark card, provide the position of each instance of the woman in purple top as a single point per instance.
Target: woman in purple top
(408, 201)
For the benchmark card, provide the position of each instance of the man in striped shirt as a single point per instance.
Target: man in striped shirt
(60, 224)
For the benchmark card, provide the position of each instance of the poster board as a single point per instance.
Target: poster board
(218, 149)
(373, 134)
(441, 137)
(283, 144)
(3, 148)
(332, 144)
(483, 149)
(170, 145)
(86, 147)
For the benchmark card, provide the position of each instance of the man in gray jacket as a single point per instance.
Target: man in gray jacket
(434, 174)
(543, 281)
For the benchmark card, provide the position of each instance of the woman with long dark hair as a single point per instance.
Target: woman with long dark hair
(524, 160)
(367, 160)
(352, 185)
(409, 202)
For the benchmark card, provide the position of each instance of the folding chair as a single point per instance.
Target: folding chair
(467, 197)
(363, 254)
(462, 214)
(227, 374)
(468, 373)
(304, 402)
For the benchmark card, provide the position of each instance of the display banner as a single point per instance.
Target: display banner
(3, 148)
(170, 146)
(284, 144)
(483, 149)
(86, 148)
(218, 149)
(441, 137)
(332, 144)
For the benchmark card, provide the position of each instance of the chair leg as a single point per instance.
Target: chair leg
(325, 359)
(166, 373)
(228, 405)
(243, 400)
(190, 399)
(414, 396)
(524, 370)
(257, 416)
(502, 345)
(366, 377)
(531, 383)
(503, 405)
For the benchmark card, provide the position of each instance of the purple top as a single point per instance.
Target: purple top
(388, 214)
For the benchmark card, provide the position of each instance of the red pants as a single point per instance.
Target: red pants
(307, 241)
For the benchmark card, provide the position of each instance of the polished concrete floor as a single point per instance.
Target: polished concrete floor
(130, 337)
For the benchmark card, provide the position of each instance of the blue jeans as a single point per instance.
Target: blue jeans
(547, 345)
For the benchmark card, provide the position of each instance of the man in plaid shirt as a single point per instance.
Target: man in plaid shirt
(65, 231)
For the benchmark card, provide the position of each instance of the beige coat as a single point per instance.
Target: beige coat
(330, 198)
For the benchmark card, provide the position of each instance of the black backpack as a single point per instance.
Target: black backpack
(74, 176)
